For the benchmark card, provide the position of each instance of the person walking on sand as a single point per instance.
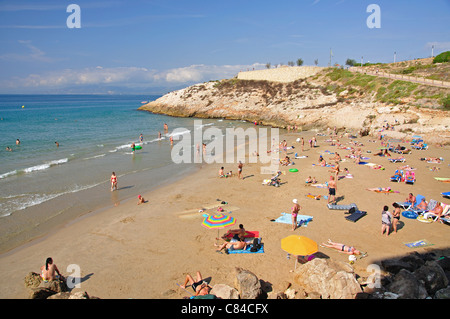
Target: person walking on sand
(113, 181)
(240, 165)
(303, 143)
(295, 210)
(386, 218)
(332, 187)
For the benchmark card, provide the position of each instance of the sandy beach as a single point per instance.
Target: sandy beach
(143, 251)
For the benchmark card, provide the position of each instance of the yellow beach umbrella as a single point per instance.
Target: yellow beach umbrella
(299, 246)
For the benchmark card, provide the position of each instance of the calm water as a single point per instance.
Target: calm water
(41, 183)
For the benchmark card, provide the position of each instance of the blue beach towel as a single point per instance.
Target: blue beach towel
(247, 250)
(302, 220)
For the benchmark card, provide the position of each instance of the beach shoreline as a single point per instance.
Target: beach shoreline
(143, 251)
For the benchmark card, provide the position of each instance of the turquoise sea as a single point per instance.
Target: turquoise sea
(42, 184)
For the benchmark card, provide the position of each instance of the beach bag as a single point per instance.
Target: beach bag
(255, 246)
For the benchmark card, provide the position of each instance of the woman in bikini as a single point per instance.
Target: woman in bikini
(113, 181)
(295, 210)
(350, 250)
(396, 216)
(49, 271)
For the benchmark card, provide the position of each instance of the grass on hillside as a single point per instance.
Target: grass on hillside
(385, 90)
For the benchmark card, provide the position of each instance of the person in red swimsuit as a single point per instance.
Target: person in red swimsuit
(113, 181)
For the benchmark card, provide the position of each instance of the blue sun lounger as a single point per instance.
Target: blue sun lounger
(341, 207)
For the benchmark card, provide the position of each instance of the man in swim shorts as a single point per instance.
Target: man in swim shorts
(200, 287)
(332, 190)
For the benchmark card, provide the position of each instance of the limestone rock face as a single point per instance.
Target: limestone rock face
(309, 106)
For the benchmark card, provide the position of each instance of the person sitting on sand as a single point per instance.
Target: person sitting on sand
(141, 200)
(308, 180)
(49, 271)
(200, 287)
(383, 153)
(237, 233)
(286, 161)
(221, 173)
(350, 250)
(232, 245)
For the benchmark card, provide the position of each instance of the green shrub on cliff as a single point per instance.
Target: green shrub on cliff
(442, 58)
(446, 102)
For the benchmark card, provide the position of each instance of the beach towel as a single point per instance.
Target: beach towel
(248, 234)
(397, 160)
(385, 190)
(357, 215)
(320, 185)
(302, 220)
(247, 250)
(418, 243)
(314, 196)
(341, 207)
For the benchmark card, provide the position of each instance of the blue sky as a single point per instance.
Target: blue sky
(139, 46)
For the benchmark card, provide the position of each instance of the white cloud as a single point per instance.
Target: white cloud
(33, 54)
(126, 77)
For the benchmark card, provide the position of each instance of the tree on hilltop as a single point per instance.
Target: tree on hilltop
(350, 62)
(299, 62)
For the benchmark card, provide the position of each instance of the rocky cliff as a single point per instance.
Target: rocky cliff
(310, 103)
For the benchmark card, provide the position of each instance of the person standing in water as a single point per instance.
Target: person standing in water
(113, 181)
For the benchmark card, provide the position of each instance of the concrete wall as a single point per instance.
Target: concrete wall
(281, 74)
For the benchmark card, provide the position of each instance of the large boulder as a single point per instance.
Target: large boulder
(327, 279)
(224, 292)
(433, 277)
(32, 280)
(247, 284)
(407, 286)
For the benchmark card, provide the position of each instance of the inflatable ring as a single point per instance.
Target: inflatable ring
(409, 214)
(424, 220)
(293, 170)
